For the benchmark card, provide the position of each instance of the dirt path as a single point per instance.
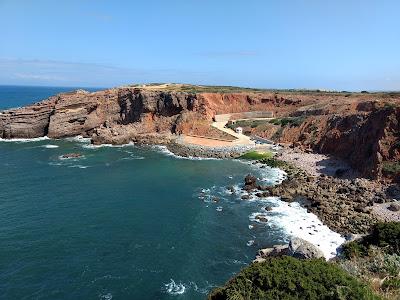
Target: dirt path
(241, 139)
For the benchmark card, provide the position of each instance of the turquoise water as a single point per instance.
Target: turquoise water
(120, 222)
(129, 222)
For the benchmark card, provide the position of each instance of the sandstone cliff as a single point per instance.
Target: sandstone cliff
(360, 128)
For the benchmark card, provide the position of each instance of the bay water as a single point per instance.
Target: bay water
(128, 222)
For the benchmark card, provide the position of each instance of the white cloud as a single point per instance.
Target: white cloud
(38, 77)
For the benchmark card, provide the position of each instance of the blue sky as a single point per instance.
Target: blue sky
(342, 44)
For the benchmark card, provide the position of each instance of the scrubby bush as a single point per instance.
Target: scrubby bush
(289, 121)
(391, 284)
(354, 249)
(386, 235)
(290, 278)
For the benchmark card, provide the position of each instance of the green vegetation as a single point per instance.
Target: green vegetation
(387, 236)
(354, 249)
(290, 278)
(391, 284)
(254, 155)
(390, 105)
(391, 167)
(275, 163)
(247, 123)
(190, 88)
(384, 235)
(289, 121)
(376, 256)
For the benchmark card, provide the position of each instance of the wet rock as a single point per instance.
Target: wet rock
(250, 180)
(261, 219)
(231, 189)
(71, 155)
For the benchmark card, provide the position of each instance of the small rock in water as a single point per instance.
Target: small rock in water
(262, 219)
(245, 197)
(268, 208)
(250, 243)
(71, 155)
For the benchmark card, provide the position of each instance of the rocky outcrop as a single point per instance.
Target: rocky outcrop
(297, 248)
(27, 122)
(84, 113)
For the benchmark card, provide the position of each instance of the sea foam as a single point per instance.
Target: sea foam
(295, 221)
(19, 140)
(50, 146)
(166, 151)
(174, 288)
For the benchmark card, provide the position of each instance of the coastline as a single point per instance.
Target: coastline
(298, 187)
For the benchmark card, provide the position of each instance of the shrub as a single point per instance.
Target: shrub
(386, 235)
(354, 249)
(391, 284)
(291, 121)
(289, 278)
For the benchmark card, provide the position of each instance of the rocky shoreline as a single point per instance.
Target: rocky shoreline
(344, 205)
(190, 150)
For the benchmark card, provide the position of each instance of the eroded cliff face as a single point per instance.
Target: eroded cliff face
(369, 141)
(360, 128)
(82, 113)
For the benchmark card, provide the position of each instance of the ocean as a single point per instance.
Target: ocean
(129, 222)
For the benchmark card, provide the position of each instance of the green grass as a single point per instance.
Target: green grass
(254, 155)
(289, 278)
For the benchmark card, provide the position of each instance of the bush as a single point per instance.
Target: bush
(391, 284)
(354, 249)
(386, 235)
(291, 121)
(289, 278)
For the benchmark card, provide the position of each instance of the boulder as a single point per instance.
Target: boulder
(250, 180)
(302, 249)
(394, 206)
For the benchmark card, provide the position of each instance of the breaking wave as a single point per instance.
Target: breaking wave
(174, 288)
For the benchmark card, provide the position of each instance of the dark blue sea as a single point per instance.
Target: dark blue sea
(128, 222)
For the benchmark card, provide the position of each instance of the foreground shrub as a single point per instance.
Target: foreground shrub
(354, 249)
(386, 235)
(290, 278)
(391, 284)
